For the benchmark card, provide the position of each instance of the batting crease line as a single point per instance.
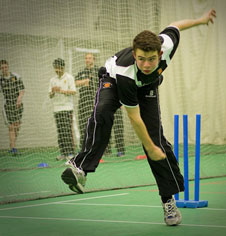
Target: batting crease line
(108, 221)
(74, 200)
(125, 205)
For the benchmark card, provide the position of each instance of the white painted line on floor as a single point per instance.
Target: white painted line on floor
(126, 205)
(107, 221)
(107, 204)
(212, 209)
(59, 202)
(21, 194)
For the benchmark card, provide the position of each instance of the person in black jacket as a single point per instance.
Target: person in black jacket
(87, 80)
(12, 88)
(132, 78)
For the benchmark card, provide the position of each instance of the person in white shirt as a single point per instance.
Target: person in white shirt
(61, 92)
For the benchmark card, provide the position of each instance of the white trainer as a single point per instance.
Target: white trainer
(172, 215)
(74, 177)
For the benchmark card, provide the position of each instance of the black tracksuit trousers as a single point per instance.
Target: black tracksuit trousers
(98, 131)
(64, 130)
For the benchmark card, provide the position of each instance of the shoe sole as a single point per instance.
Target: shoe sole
(174, 222)
(70, 179)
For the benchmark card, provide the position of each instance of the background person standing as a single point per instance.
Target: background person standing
(87, 81)
(12, 87)
(61, 91)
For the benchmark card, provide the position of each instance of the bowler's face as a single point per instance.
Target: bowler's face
(147, 62)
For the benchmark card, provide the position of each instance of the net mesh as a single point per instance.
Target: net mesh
(33, 34)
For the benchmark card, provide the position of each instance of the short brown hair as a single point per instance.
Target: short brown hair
(4, 62)
(147, 41)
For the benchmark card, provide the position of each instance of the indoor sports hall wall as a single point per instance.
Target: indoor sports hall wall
(34, 33)
(195, 81)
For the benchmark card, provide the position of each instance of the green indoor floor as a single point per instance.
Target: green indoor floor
(132, 211)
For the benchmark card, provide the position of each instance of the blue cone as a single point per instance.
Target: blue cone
(42, 164)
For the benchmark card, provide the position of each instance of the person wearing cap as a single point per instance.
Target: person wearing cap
(61, 92)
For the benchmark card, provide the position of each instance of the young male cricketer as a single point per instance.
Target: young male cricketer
(131, 78)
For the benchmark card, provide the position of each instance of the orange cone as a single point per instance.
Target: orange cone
(140, 157)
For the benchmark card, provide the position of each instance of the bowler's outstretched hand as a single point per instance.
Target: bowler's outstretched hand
(209, 17)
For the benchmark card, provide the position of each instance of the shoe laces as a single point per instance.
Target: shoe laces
(169, 208)
(72, 162)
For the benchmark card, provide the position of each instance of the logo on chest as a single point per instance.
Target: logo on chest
(152, 94)
(107, 85)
